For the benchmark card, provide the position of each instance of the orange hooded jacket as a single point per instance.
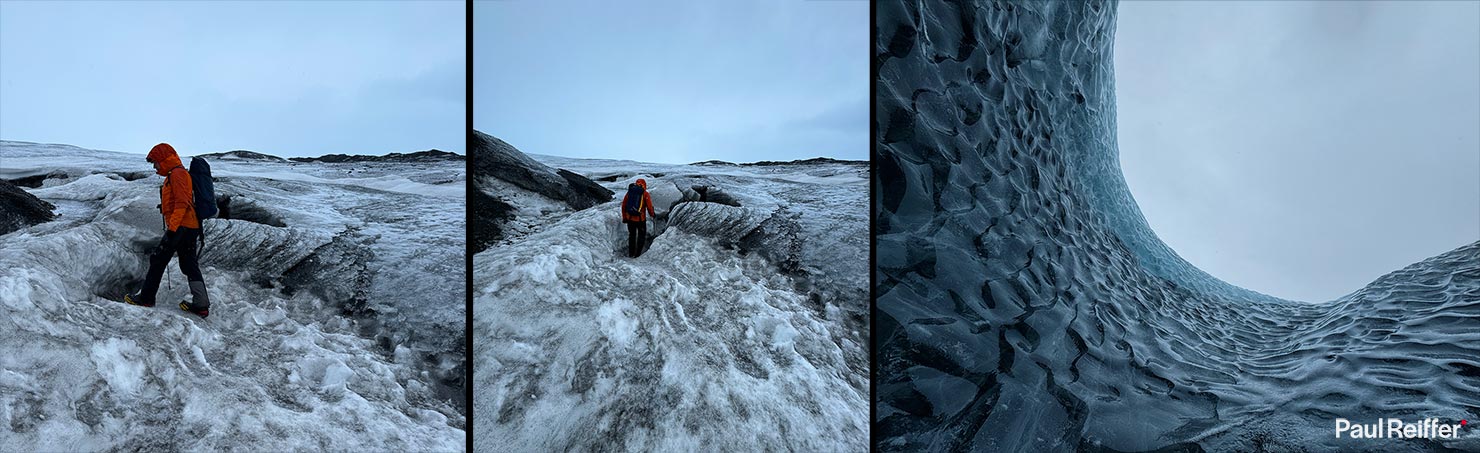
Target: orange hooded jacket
(644, 207)
(176, 195)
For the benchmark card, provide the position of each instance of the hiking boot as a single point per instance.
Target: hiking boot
(200, 303)
(136, 299)
(199, 311)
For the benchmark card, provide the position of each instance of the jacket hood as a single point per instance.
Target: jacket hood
(642, 183)
(165, 155)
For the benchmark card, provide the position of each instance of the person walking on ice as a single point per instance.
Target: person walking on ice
(636, 206)
(182, 230)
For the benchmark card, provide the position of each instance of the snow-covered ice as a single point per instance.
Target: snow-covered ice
(341, 329)
(747, 336)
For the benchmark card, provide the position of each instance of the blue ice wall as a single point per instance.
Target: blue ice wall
(1023, 304)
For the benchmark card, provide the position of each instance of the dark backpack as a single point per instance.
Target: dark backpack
(204, 188)
(632, 205)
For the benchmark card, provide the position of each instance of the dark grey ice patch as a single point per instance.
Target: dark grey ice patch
(428, 156)
(244, 208)
(584, 189)
(778, 238)
(26, 412)
(711, 194)
(20, 209)
(489, 216)
(264, 251)
(344, 258)
(241, 154)
(118, 282)
(134, 175)
(774, 235)
(35, 181)
(493, 157)
(715, 220)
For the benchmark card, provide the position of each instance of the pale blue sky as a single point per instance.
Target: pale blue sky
(674, 81)
(1302, 149)
(284, 78)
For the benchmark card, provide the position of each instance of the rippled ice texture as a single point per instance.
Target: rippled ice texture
(341, 330)
(1024, 305)
(696, 345)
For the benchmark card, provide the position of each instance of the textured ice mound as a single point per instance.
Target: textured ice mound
(19, 209)
(495, 158)
(506, 179)
(1024, 304)
(698, 344)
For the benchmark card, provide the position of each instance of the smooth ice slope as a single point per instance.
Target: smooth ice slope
(342, 329)
(705, 343)
(1024, 304)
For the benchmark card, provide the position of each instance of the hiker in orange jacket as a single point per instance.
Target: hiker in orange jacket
(634, 214)
(182, 229)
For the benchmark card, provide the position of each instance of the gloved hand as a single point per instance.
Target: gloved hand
(169, 243)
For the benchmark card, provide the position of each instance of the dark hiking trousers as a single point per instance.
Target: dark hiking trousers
(182, 242)
(636, 238)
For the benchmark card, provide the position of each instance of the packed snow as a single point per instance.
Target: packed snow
(740, 329)
(337, 319)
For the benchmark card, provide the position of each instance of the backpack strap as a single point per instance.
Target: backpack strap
(191, 200)
(201, 238)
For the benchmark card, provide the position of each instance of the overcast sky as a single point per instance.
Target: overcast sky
(674, 81)
(284, 78)
(1302, 150)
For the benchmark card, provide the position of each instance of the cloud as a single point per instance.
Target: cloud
(674, 81)
(288, 78)
(1302, 149)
